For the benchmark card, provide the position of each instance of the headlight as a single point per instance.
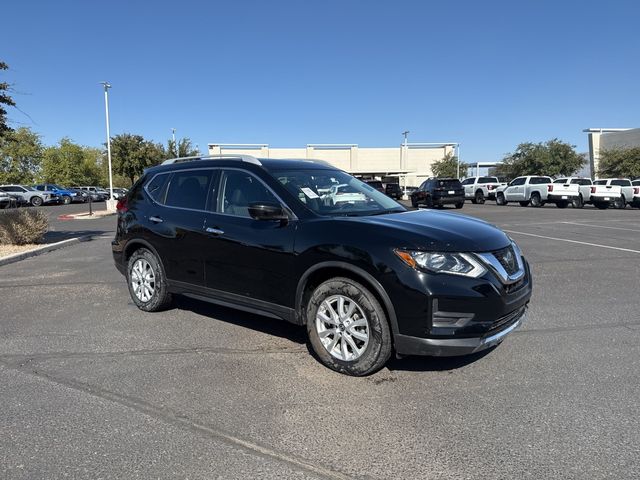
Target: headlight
(443, 262)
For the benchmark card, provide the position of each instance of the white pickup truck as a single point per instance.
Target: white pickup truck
(527, 190)
(477, 189)
(574, 190)
(612, 191)
(636, 193)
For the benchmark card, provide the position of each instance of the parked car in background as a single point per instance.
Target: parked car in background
(436, 192)
(393, 190)
(377, 184)
(570, 190)
(366, 279)
(30, 195)
(81, 195)
(97, 194)
(531, 189)
(477, 189)
(118, 193)
(636, 193)
(616, 192)
(7, 201)
(65, 195)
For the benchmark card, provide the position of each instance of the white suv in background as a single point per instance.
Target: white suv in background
(532, 189)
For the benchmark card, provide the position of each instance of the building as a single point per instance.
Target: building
(609, 138)
(409, 163)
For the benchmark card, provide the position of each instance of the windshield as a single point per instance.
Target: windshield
(333, 192)
(57, 187)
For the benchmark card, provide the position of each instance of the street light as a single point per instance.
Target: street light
(173, 135)
(111, 203)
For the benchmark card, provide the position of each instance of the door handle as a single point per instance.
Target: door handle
(155, 219)
(215, 231)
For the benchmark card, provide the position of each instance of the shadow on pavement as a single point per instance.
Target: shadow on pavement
(435, 364)
(60, 235)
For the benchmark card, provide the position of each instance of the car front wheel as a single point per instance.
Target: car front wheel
(66, 200)
(147, 282)
(500, 200)
(348, 328)
(36, 201)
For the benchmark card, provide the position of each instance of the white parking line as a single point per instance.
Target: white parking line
(601, 226)
(574, 241)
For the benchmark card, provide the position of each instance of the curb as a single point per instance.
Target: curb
(83, 216)
(16, 257)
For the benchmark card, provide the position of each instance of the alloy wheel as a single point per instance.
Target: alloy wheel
(143, 280)
(342, 327)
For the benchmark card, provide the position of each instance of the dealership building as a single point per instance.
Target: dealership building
(610, 138)
(408, 164)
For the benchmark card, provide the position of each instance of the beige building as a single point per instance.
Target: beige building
(609, 138)
(410, 163)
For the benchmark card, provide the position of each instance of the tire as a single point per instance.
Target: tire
(428, 203)
(562, 204)
(535, 200)
(142, 263)
(524, 204)
(601, 205)
(578, 202)
(459, 205)
(327, 330)
(500, 200)
(620, 203)
(36, 201)
(414, 204)
(66, 200)
(479, 197)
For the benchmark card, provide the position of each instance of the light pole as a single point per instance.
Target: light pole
(403, 152)
(175, 145)
(458, 155)
(111, 203)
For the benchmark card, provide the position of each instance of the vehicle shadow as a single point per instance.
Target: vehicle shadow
(435, 364)
(53, 236)
(259, 323)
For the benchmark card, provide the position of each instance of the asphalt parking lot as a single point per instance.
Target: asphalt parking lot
(91, 387)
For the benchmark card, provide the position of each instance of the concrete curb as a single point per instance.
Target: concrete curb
(16, 257)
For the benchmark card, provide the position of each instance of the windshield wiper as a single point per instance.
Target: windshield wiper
(385, 212)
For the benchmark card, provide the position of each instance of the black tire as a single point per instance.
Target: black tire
(161, 298)
(620, 203)
(535, 200)
(562, 204)
(428, 203)
(379, 345)
(66, 200)
(414, 204)
(36, 201)
(524, 204)
(500, 200)
(459, 205)
(578, 202)
(601, 205)
(479, 197)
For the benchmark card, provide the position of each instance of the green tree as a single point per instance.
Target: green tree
(619, 162)
(131, 154)
(553, 158)
(71, 164)
(448, 167)
(5, 100)
(21, 154)
(184, 149)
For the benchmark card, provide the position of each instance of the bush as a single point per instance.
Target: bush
(22, 226)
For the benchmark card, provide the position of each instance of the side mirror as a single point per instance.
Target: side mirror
(267, 211)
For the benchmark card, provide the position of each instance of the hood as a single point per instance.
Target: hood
(440, 231)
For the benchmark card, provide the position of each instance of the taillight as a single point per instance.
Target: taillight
(549, 188)
(490, 187)
(636, 190)
(121, 206)
(593, 189)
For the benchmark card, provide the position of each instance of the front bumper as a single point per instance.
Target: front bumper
(451, 347)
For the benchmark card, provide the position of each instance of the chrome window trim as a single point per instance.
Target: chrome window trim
(490, 260)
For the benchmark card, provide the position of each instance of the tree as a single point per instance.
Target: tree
(553, 158)
(131, 154)
(185, 149)
(5, 100)
(448, 167)
(71, 164)
(619, 162)
(20, 156)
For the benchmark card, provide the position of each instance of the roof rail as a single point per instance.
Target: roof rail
(242, 158)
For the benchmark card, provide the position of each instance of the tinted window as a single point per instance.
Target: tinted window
(635, 183)
(487, 180)
(562, 180)
(539, 180)
(374, 183)
(156, 188)
(423, 186)
(468, 181)
(239, 189)
(621, 183)
(600, 182)
(188, 189)
(13, 189)
(448, 183)
(518, 181)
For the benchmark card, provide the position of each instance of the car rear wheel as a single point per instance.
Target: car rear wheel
(500, 200)
(578, 202)
(348, 328)
(36, 201)
(459, 205)
(620, 203)
(535, 200)
(428, 202)
(479, 198)
(147, 282)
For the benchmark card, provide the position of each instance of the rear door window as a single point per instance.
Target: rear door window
(188, 189)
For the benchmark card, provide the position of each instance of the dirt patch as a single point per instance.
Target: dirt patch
(6, 250)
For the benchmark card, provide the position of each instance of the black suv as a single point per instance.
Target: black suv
(302, 241)
(436, 192)
(393, 190)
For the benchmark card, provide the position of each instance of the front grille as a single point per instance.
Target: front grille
(506, 321)
(507, 258)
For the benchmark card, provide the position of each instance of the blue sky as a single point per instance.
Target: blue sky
(487, 74)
